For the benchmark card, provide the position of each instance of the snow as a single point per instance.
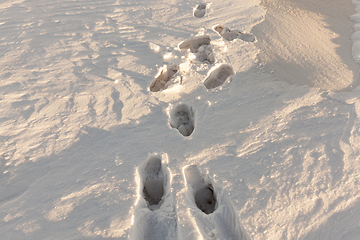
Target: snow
(279, 140)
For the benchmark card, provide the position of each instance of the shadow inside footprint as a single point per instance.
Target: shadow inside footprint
(153, 182)
(218, 75)
(181, 117)
(205, 199)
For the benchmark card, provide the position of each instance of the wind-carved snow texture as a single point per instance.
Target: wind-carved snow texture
(200, 10)
(181, 117)
(217, 75)
(200, 49)
(220, 220)
(162, 79)
(230, 35)
(154, 212)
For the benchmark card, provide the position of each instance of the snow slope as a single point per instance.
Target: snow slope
(308, 42)
(77, 119)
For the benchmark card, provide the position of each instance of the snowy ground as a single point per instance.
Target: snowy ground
(77, 118)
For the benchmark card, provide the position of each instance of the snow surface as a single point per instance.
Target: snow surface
(78, 119)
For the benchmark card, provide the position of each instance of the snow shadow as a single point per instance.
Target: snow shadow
(341, 225)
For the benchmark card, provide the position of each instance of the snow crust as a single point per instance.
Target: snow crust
(78, 120)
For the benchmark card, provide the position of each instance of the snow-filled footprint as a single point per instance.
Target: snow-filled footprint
(181, 117)
(230, 35)
(199, 47)
(163, 77)
(200, 10)
(210, 209)
(217, 75)
(154, 211)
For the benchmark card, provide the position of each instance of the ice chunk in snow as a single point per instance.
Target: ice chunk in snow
(199, 47)
(200, 10)
(181, 117)
(221, 221)
(154, 211)
(217, 75)
(230, 35)
(165, 74)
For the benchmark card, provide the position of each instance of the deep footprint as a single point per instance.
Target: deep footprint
(165, 74)
(230, 35)
(154, 211)
(153, 179)
(181, 117)
(205, 198)
(200, 48)
(218, 75)
(200, 10)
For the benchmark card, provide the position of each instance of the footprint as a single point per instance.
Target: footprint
(200, 10)
(217, 75)
(230, 35)
(181, 117)
(200, 48)
(118, 105)
(204, 195)
(153, 178)
(165, 74)
(210, 207)
(154, 212)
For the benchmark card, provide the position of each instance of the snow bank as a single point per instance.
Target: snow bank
(308, 42)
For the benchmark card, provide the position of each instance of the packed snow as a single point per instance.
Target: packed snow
(179, 119)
